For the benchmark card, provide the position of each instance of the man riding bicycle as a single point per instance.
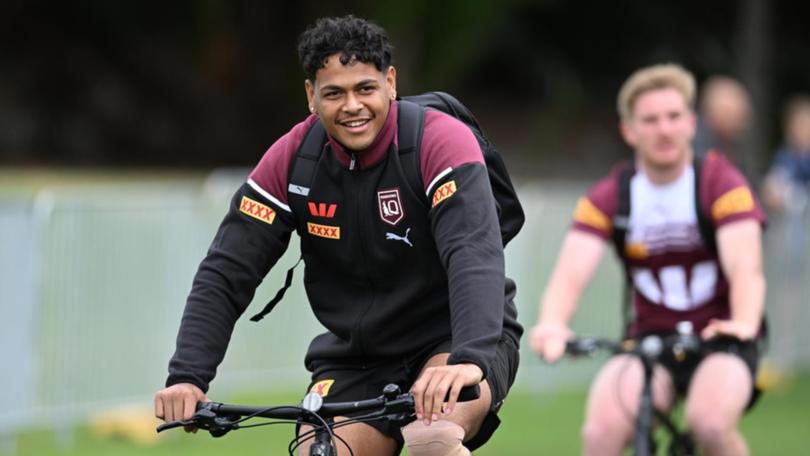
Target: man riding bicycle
(675, 272)
(409, 282)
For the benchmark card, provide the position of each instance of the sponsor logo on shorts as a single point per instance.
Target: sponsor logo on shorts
(322, 387)
(444, 191)
(324, 231)
(257, 210)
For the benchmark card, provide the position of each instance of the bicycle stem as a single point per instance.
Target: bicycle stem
(322, 445)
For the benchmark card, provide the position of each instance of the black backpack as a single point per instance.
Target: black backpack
(411, 123)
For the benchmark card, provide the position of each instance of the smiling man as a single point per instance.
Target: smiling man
(689, 237)
(409, 282)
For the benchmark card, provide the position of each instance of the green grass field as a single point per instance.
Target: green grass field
(532, 425)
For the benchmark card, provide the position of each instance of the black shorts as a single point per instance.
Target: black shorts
(682, 371)
(355, 381)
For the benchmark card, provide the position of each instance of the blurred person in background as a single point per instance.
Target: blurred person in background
(724, 119)
(786, 192)
(675, 275)
(409, 282)
(787, 184)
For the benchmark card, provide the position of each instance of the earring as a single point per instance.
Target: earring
(312, 109)
(394, 95)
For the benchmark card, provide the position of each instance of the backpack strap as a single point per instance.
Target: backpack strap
(410, 124)
(279, 294)
(622, 217)
(621, 222)
(709, 236)
(299, 178)
(306, 159)
(705, 226)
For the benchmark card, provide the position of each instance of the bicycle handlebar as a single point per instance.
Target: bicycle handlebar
(219, 418)
(649, 347)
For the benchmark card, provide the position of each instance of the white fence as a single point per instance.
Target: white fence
(93, 280)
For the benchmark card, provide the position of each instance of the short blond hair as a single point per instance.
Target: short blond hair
(662, 76)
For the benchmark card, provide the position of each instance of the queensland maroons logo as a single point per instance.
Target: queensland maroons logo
(390, 206)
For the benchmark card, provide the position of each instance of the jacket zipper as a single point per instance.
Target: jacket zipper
(363, 257)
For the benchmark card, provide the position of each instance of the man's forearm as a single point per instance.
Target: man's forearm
(558, 304)
(747, 296)
(740, 248)
(578, 259)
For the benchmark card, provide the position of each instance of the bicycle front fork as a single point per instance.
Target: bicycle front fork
(644, 444)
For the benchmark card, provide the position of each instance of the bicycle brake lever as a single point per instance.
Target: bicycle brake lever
(204, 419)
(174, 424)
(201, 419)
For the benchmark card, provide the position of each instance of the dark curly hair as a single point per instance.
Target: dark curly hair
(348, 35)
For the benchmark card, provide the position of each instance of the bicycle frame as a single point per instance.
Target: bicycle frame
(648, 351)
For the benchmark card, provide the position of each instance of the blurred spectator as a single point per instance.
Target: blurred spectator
(787, 184)
(724, 118)
(786, 191)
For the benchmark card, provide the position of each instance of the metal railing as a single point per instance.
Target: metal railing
(93, 280)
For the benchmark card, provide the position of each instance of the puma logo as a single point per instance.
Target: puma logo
(396, 237)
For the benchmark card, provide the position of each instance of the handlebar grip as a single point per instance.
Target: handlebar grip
(580, 347)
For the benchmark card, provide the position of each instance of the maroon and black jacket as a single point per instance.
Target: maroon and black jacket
(387, 271)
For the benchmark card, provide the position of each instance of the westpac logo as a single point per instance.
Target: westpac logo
(324, 231)
(444, 191)
(390, 205)
(322, 209)
(257, 210)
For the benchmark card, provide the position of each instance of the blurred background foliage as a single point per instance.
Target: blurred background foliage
(204, 83)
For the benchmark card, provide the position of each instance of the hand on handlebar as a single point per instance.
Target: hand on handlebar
(733, 328)
(548, 340)
(440, 382)
(178, 402)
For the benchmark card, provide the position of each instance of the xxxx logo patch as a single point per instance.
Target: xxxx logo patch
(257, 210)
(324, 231)
(443, 192)
(322, 387)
